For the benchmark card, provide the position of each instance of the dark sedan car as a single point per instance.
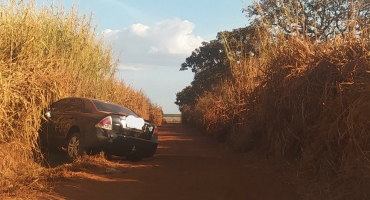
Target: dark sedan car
(80, 125)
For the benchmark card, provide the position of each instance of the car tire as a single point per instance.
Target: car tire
(74, 147)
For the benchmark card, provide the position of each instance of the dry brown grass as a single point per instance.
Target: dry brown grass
(45, 54)
(303, 102)
(319, 111)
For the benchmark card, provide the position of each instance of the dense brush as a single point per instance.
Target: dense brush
(46, 54)
(304, 101)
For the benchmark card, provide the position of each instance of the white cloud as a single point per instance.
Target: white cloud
(139, 29)
(166, 43)
(129, 68)
(153, 49)
(112, 34)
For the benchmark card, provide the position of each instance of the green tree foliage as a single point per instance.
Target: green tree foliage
(317, 19)
(185, 97)
(210, 63)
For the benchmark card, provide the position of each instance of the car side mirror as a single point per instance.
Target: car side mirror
(48, 114)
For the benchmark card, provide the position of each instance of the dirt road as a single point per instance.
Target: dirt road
(186, 166)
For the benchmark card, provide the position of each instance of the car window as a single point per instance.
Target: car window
(110, 107)
(71, 104)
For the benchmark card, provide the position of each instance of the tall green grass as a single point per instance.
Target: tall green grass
(47, 53)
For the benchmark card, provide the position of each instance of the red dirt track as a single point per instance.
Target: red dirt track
(186, 166)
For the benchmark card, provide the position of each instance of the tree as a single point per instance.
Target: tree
(185, 97)
(315, 19)
(210, 63)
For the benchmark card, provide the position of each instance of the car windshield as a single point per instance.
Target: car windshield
(109, 107)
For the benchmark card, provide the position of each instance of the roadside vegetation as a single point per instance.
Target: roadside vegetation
(294, 85)
(47, 53)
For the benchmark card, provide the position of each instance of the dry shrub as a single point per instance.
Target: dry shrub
(156, 114)
(186, 115)
(82, 163)
(301, 101)
(46, 54)
(222, 112)
(315, 103)
(20, 175)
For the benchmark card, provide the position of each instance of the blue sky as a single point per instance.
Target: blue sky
(152, 38)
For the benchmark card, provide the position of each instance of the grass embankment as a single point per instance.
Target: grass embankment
(305, 102)
(47, 54)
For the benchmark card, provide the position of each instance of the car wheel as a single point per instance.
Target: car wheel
(74, 148)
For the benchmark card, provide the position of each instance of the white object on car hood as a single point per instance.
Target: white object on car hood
(134, 122)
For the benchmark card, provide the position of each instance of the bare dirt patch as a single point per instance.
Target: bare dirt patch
(187, 165)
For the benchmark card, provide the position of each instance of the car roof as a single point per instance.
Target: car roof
(91, 100)
(86, 98)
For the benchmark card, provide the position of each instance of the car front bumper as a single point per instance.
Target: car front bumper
(121, 145)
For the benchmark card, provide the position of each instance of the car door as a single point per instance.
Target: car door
(63, 115)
